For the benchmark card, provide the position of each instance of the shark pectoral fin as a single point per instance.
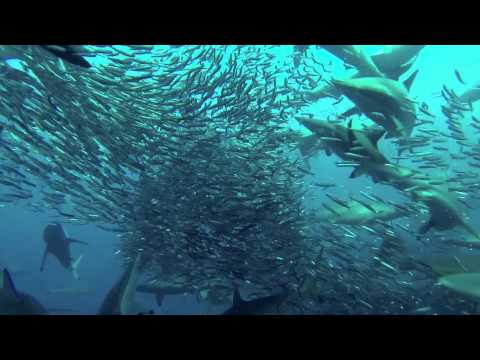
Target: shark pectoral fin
(159, 297)
(356, 173)
(77, 241)
(44, 259)
(409, 81)
(307, 144)
(353, 111)
(8, 284)
(75, 265)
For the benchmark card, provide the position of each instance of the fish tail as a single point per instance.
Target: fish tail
(75, 265)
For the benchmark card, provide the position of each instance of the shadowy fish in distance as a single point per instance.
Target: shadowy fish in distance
(58, 244)
(258, 306)
(120, 299)
(13, 302)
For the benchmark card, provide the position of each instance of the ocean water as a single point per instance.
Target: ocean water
(21, 228)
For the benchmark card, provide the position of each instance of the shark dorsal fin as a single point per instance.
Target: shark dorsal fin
(8, 284)
(409, 81)
(237, 299)
(129, 287)
(307, 144)
(159, 299)
(353, 111)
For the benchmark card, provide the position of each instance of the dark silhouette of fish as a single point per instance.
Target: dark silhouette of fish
(161, 291)
(68, 53)
(120, 299)
(262, 305)
(13, 302)
(58, 244)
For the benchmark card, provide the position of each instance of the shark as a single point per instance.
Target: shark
(392, 62)
(358, 214)
(444, 209)
(465, 284)
(459, 273)
(471, 95)
(469, 242)
(14, 302)
(120, 300)
(58, 244)
(347, 143)
(385, 172)
(384, 101)
(69, 53)
(258, 306)
(160, 291)
(355, 56)
(448, 264)
(395, 60)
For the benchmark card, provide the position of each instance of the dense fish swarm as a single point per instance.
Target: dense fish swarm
(187, 156)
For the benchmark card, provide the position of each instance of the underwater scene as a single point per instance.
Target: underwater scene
(239, 180)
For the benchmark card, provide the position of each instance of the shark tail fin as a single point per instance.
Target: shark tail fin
(353, 111)
(409, 81)
(75, 265)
